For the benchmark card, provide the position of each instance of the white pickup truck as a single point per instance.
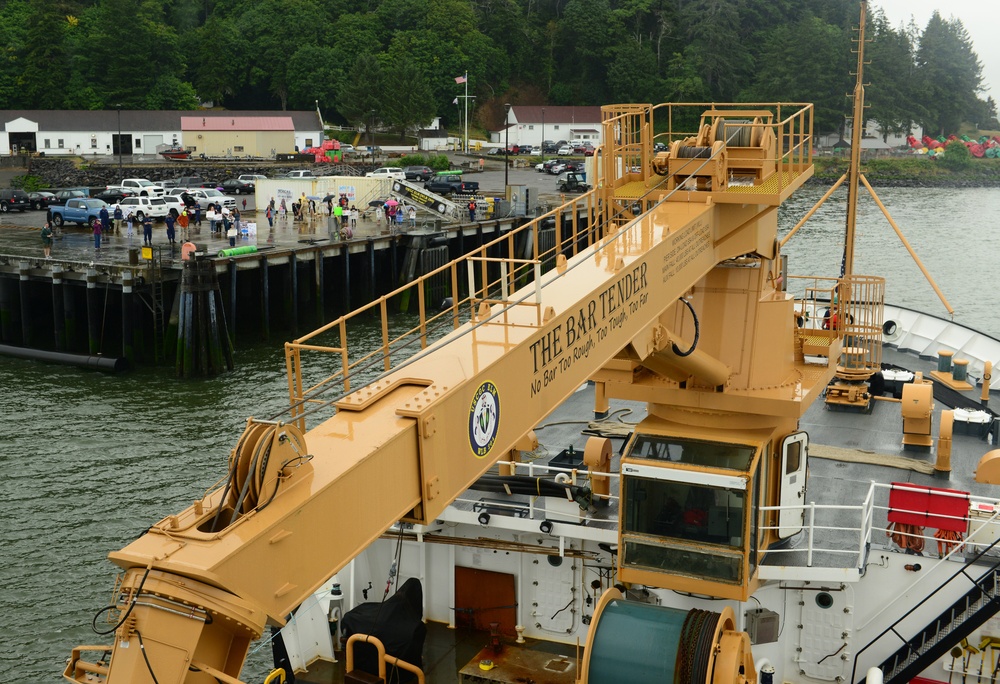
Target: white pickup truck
(140, 187)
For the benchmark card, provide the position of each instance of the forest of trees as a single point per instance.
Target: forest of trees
(399, 58)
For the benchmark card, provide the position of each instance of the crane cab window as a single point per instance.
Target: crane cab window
(708, 454)
(683, 520)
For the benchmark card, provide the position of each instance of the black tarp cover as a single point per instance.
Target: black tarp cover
(397, 623)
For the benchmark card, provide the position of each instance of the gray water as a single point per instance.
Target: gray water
(90, 461)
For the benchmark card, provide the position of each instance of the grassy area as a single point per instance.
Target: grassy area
(913, 169)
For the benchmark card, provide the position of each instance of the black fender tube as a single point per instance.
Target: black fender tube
(105, 364)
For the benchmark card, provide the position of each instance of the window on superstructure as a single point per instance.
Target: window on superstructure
(693, 452)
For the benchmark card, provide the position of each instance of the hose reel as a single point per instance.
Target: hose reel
(643, 643)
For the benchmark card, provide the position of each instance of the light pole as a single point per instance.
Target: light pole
(506, 145)
(371, 133)
(119, 108)
(543, 135)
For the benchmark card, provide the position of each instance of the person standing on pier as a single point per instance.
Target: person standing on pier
(472, 210)
(128, 222)
(183, 220)
(269, 213)
(147, 230)
(105, 219)
(97, 233)
(118, 216)
(47, 240)
(197, 214)
(169, 220)
(411, 214)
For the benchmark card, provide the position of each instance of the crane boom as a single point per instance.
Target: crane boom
(406, 446)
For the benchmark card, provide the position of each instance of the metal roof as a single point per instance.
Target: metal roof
(557, 115)
(92, 121)
(237, 123)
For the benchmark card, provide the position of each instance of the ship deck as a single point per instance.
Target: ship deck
(848, 451)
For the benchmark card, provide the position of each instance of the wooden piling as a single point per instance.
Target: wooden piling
(347, 278)
(232, 301)
(319, 280)
(265, 300)
(292, 293)
(24, 294)
(128, 325)
(8, 312)
(73, 322)
(59, 321)
(203, 346)
(370, 250)
(93, 313)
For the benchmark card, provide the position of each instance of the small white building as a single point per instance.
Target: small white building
(99, 132)
(531, 124)
(871, 138)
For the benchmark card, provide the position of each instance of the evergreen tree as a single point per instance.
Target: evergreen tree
(950, 75)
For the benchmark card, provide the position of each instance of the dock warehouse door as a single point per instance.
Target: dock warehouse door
(482, 597)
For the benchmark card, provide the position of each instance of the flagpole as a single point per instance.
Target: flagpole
(467, 112)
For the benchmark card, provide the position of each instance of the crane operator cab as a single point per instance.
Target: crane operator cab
(691, 508)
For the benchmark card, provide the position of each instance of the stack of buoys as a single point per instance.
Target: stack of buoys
(985, 146)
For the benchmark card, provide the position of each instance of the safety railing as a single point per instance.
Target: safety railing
(480, 278)
(841, 535)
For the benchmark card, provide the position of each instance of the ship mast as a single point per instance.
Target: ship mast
(854, 171)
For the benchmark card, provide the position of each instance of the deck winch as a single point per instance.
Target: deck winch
(637, 642)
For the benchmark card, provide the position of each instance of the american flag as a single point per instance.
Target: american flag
(461, 79)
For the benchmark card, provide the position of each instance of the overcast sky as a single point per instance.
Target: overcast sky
(979, 18)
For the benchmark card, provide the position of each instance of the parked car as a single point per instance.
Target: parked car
(175, 204)
(188, 182)
(41, 200)
(549, 147)
(252, 177)
(300, 173)
(114, 195)
(448, 183)
(78, 210)
(183, 195)
(238, 187)
(391, 172)
(557, 168)
(63, 196)
(574, 166)
(525, 149)
(12, 198)
(564, 150)
(496, 150)
(346, 149)
(546, 166)
(589, 151)
(141, 207)
(205, 196)
(418, 173)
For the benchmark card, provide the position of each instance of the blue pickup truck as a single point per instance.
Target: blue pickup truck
(82, 210)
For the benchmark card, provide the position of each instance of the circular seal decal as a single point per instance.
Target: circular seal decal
(484, 419)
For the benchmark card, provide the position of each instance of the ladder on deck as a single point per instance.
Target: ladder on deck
(958, 621)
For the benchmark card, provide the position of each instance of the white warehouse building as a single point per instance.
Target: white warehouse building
(100, 132)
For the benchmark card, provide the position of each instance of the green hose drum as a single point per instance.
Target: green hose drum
(642, 643)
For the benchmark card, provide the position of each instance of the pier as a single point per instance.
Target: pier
(151, 307)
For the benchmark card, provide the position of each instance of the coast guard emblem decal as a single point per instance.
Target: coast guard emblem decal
(484, 419)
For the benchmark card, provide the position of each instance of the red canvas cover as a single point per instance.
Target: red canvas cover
(943, 509)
